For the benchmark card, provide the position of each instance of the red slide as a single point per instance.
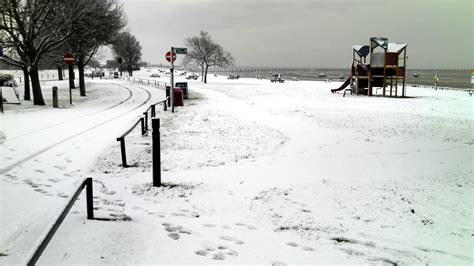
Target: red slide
(345, 84)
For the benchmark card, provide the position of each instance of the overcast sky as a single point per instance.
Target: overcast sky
(307, 33)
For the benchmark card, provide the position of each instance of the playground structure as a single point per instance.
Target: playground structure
(386, 70)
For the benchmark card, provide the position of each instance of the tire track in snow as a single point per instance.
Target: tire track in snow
(22, 161)
(79, 117)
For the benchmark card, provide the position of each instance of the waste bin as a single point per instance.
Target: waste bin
(184, 87)
(178, 97)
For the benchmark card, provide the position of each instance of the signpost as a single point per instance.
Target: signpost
(69, 59)
(171, 57)
(181, 50)
(168, 56)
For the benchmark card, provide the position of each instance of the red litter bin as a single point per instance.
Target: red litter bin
(178, 97)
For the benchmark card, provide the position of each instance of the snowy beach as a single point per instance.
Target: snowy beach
(253, 172)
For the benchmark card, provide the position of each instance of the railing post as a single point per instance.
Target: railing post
(146, 121)
(165, 106)
(142, 122)
(89, 197)
(156, 152)
(122, 149)
(55, 97)
(168, 90)
(153, 112)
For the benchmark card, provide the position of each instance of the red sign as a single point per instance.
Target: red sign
(168, 57)
(69, 58)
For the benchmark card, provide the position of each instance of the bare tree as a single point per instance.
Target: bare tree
(129, 49)
(205, 53)
(103, 19)
(33, 28)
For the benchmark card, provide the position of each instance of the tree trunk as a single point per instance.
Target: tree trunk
(80, 67)
(130, 70)
(60, 71)
(205, 74)
(202, 73)
(35, 84)
(27, 95)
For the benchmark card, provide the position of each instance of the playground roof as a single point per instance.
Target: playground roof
(396, 47)
(361, 50)
(379, 41)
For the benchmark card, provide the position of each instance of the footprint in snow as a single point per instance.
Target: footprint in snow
(40, 171)
(250, 227)
(186, 214)
(232, 239)
(62, 168)
(62, 195)
(209, 225)
(217, 253)
(175, 231)
(40, 190)
(174, 236)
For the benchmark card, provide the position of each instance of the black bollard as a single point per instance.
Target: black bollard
(55, 97)
(153, 112)
(168, 90)
(156, 152)
(142, 122)
(89, 199)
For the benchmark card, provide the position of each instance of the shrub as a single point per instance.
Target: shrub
(6, 79)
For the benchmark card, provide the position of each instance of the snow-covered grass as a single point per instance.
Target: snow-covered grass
(256, 172)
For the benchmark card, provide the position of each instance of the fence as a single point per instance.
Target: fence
(34, 256)
(144, 128)
(146, 81)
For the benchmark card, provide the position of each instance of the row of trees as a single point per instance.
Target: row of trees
(39, 31)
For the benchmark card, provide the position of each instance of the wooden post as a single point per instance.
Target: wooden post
(55, 97)
(153, 112)
(89, 198)
(142, 122)
(122, 149)
(156, 152)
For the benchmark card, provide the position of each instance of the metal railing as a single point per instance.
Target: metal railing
(147, 81)
(43, 243)
(122, 139)
(143, 121)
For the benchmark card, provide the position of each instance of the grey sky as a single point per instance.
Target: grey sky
(308, 33)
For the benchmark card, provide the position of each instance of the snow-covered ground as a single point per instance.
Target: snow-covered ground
(253, 172)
